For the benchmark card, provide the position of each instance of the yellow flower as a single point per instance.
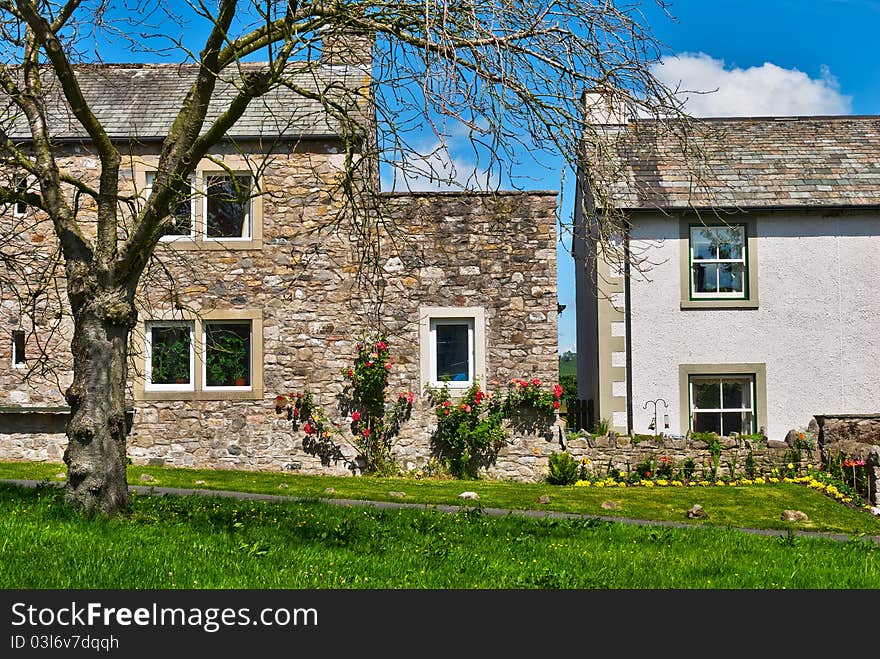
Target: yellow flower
(583, 484)
(791, 465)
(600, 484)
(662, 482)
(677, 483)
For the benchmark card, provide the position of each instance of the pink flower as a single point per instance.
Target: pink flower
(557, 390)
(381, 345)
(410, 397)
(355, 416)
(466, 407)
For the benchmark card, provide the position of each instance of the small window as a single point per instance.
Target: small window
(452, 350)
(228, 206)
(723, 404)
(169, 356)
(227, 354)
(718, 262)
(18, 359)
(181, 212)
(21, 187)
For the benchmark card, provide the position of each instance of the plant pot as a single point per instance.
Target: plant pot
(239, 382)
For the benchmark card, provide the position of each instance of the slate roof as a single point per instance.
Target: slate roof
(142, 100)
(748, 163)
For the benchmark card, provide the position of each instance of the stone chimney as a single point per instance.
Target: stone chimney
(603, 106)
(344, 47)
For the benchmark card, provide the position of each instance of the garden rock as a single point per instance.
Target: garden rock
(543, 499)
(794, 516)
(397, 495)
(200, 482)
(283, 486)
(60, 475)
(696, 511)
(609, 505)
(468, 495)
(146, 478)
(875, 510)
(329, 490)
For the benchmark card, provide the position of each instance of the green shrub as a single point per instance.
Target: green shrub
(563, 469)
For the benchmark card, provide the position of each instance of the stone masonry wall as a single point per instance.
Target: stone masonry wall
(855, 436)
(316, 301)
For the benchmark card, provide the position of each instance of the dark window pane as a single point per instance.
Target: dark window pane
(228, 205)
(705, 278)
(452, 352)
(733, 395)
(228, 354)
(738, 422)
(707, 394)
(18, 346)
(21, 186)
(704, 244)
(170, 355)
(707, 422)
(730, 245)
(730, 278)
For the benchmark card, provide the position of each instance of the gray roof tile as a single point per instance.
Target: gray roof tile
(142, 100)
(748, 162)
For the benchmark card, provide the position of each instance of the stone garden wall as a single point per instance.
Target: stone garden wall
(853, 436)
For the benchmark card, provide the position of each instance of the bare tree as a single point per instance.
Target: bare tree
(509, 76)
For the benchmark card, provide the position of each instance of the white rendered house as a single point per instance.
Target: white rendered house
(742, 294)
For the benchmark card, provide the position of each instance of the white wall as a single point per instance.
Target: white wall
(817, 327)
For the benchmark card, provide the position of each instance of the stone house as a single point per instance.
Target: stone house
(741, 296)
(265, 271)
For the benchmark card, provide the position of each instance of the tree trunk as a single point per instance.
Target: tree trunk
(96, 451)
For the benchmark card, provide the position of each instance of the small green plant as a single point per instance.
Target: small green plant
(563, 469)
(751, 468)
(169, 360)
(645, 469)
(602, 427)
(688, 469)
(664, 467)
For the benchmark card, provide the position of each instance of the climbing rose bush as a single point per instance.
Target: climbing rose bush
(369, 423)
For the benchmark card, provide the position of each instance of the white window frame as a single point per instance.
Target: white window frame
(204, 360)
(19, 208)
(249, 209)
(148, 366)
(432, 345)
(148, 190)
(429, 318)
(750, 377)
(735, 295)
(15, 355)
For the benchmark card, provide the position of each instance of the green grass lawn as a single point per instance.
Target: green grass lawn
(753, 506)
(210, 542)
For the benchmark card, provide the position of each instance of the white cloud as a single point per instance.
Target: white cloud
(435, 169)
(766, 90)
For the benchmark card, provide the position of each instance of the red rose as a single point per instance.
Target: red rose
(307, 429)
(555, 404)
(355, 416)
(366, 432)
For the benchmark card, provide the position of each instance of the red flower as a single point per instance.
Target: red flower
(366, 432)
(280, 402)
(369, 364)
(355, 416)
(388, 366)
(557, 390)
(350, 373)
(381, 345)
(536, 382)
(307, 429)
(648, 474)
(555, 404)
(410, 397)
(445, 403)
(295, 411)
(446, 411)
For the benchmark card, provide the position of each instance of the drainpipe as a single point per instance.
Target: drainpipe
(627, 317)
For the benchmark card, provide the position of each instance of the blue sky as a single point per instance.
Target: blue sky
(773, 57)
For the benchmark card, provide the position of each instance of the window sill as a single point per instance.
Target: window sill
(226, 394)
(719, 304)
(213, 244)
